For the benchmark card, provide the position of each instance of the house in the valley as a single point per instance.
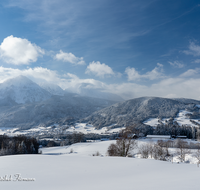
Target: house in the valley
(158, 137)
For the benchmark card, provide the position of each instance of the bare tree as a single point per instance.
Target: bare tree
(113, 150)
(124, 144)
(144, 151)
(159, 152)
(182, 149)
(197, 155)
(166, 145)
(96, 154)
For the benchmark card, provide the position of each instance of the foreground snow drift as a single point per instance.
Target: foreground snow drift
(59, 169)
(89, 173)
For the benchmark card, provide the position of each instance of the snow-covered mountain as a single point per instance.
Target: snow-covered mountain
(141, 109)
(25, 104)
(52, 88)
(57, 109)
(22, 90)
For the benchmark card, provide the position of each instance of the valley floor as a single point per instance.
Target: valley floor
(57, 168)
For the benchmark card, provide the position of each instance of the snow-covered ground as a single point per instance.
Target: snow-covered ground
(57, 168)
(78, 127)
(154, 121)
(87, 128)
(181, 119)
(88, 149)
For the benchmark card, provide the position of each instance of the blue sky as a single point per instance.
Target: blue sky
(130, 48)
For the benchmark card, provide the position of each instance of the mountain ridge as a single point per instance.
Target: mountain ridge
(137, 110)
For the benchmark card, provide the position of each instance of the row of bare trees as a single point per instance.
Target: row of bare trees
(154, 150)
(160, 150)
(125, 144)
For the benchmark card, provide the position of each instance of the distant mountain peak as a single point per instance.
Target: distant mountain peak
(23, 90)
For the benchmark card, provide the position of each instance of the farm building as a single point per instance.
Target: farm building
(181, 137)
(158, 137)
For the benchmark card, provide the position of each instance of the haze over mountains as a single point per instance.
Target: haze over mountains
(23, 90)
(25, 104)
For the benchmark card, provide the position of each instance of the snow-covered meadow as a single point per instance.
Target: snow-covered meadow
(73, 167)
(64, 129)
(181, 119)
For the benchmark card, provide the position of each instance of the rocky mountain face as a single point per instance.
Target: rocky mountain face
(138, 110)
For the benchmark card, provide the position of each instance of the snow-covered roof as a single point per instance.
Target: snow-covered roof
(181, 136)
(159, 136)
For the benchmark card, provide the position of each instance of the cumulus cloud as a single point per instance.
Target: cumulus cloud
(156, 73)
(99, 69)
(36, 74)
(70, 58)
(184, 85)
(168, 88)
(66, 81)
(193, 50)
(132, 74)
(176, 64)
(19, 51)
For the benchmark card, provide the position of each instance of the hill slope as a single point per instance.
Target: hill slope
(57, 109)
(139, 109)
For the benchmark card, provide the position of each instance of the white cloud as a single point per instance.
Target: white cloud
(185, 85)
(132, 74)
(70, 58)
(176, 64)
(19, 51)
(67, 81)
(193, 50)
(156, 73)
(99, 69)
(37, 73)
(190, 73)
(197, 61)
(168, 88)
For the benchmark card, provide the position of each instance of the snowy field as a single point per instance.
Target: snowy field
(64, 129)
(57, 168)
(87, 128)
(181, 119)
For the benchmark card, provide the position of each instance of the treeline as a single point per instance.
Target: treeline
(75, 137)
(167, 129)
(18, 145)
(176, 130)
(160, 150)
